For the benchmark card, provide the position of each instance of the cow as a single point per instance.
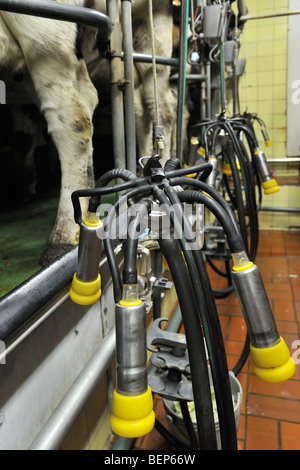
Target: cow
(45, 50)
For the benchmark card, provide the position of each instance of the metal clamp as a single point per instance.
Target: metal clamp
(171, 378)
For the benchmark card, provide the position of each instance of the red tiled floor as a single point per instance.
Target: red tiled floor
(270, 413)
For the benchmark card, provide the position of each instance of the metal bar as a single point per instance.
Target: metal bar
(280, 209)
(271, 15)
(147, 58)
(58, 11)
(130, 138)
(62, 418)
(190, 76)
(182, 73)
(22, 303)
(284, 160)
(116, 78)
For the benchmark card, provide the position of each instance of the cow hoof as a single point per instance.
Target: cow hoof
(52, 252)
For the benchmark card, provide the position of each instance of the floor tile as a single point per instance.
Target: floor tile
(261, 434)
(290, 433)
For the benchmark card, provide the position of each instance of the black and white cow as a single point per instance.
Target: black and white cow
(66, 96)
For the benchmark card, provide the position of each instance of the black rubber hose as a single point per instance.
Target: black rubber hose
(248, 180)
(234, 239)
(238, 199)
(251, 202)
(168, 436)
(98, 192)
(195, 345)
(190, 196)
(212, 330)
(206, 168)
(189, 424)
(115, 173)
(200, 185)
(108, 244)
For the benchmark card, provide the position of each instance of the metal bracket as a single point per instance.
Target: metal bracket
(171, 378)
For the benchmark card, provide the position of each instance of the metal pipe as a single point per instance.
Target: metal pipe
(208, 89)
(116, 78)
(59, 11)
(280, 209)
(21, 304)
(62, 418)
(255, 305)
(123, 443)
(284, 160)
(182, 73)
(129, 87)
(147, 58)
(131, 355)
(191, 76)
(271, 15)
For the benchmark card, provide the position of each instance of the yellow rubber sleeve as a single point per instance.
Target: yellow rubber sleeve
(242, 267)
(201, 151)
(270, 187)
(85, 293)
(227, 169)
(132, 416)
(273, 364)
(128, 303)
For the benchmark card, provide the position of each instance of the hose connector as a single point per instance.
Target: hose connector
(201, 151)
(270, 355)
(86, 284)
(267, 140)
(227, 167)
(132, 405)
(268, 183)
(193, 148)
(191, 160)
(211, 180)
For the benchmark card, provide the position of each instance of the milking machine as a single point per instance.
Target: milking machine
(184, 368)
(181, 368)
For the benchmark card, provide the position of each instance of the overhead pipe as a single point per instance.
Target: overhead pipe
(269, 15)
(60, 11)
(116, 77)
(130, 140)
(182, 74)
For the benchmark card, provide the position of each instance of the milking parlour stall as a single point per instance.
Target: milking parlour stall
(130, 177)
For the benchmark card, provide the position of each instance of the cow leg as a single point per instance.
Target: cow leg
(68, 113)
(67, 99)
(11, 55)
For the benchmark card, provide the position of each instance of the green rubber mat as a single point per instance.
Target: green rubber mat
(24, 231)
